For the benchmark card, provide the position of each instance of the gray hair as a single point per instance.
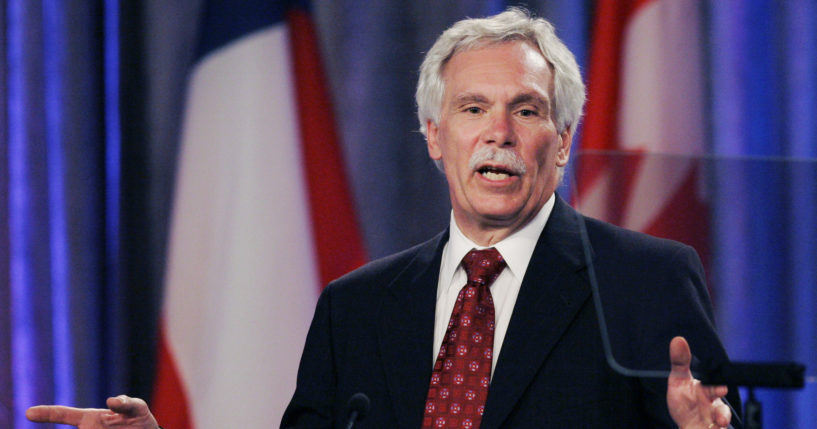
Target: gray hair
(511, 25)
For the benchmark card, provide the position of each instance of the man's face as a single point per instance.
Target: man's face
(498, 99)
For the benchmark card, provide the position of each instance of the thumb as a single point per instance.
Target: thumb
(127, 406)
(680, 356)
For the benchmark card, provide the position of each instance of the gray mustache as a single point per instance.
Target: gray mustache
(507, 157)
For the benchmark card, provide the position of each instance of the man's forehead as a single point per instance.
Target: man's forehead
(532, 55)
(481, 58)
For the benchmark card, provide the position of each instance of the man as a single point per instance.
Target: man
(518, 346)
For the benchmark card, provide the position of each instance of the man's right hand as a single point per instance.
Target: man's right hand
(123, 413)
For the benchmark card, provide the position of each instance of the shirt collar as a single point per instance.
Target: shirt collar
(516, 248)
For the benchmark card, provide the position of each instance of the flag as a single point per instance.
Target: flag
(646, 98)
(262, 218)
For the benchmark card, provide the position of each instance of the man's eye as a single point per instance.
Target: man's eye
(473, 109)
(527, 112)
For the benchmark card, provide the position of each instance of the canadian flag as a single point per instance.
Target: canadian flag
(645, 127)
(262, 219)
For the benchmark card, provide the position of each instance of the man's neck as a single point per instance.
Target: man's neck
(489, 233)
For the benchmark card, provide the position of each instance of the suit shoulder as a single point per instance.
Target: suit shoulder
(380, 271)
(634, 244)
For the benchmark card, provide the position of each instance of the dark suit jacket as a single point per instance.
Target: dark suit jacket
(373, 330)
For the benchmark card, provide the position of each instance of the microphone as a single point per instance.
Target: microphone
(356, 409)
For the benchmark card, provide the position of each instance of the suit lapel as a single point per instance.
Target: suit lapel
(406, 332)
(551, 294)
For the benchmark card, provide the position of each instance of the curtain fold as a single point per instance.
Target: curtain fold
(60, 320)
(763, 110)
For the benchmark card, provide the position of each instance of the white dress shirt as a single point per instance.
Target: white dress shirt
(516, 249)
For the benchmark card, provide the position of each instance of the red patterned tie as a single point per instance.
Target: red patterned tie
(462, 372)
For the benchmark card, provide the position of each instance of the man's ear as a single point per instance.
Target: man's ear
(563, 153)
(432, 140)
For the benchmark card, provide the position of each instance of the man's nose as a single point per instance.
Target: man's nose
(499, 130)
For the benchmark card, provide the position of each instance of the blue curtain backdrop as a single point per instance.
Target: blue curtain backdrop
(59, 279)
(762, 57)
(91, 100)
(78, 297)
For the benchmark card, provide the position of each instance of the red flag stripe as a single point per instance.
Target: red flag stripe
(169, 403)
(600, 130)
(337, 236)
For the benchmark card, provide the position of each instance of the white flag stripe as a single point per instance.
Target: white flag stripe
(242, 280)
(662, 106)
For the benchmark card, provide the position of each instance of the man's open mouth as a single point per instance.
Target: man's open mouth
(495, 173)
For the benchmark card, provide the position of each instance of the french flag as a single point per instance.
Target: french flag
(262, 218)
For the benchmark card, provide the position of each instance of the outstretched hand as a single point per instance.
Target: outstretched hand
(691, 404)
(123, 413)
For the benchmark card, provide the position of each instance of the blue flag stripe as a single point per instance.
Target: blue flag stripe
(244, 18)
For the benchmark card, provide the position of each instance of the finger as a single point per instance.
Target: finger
(680, 356)
(129, 407)
(722, 414)
(122, 404)
(716, 392)
(55, 414)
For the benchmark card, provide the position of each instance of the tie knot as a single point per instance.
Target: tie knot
(483, 266)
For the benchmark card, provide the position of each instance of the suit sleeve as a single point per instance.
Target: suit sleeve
(691, 309)
(312, 404)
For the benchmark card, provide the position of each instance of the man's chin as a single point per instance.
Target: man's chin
(500, 218)
(505, 215)
(501, 207)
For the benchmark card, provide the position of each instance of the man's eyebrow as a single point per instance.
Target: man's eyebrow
(529, 98)
(468, 98)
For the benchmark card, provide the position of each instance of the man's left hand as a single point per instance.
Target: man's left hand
(123, 413)
(691, 404)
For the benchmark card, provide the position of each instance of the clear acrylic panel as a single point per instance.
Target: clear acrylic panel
(753, 224)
